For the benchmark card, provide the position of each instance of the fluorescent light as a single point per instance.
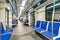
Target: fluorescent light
(22, 6)
(21, 9)
(23, 2)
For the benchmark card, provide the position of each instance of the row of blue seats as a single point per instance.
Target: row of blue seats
(5, 34)
(14, 22)
(45, 28)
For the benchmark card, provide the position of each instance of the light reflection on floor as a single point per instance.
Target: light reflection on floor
(22, 32)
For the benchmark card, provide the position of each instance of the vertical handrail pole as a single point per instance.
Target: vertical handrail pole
(53, 17)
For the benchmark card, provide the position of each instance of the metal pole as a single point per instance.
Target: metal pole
(53, 17)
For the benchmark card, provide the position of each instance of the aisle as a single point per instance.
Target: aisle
(22, 32)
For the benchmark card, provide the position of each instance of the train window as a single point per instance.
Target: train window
(57, 13)
(49, 11)
(49, 14)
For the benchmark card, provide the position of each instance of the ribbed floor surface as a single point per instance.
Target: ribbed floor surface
(22, 32)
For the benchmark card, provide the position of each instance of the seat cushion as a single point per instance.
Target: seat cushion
(40, 29)
(7, 31)
(38, 23)
(48, 34)
(10, 30)
(6, 36)
(44, 24)
(34, 27)
(56, 28)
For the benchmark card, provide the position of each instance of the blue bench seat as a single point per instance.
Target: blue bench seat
(9, 30)
(5, 34)
(43, 26)
(48, 33)
(14, 22)
(40, 29)
(5, 31)
(37, 25)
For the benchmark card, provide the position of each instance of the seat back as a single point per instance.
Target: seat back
(13, 21)
(2, 27)
(56, 28)
(50, 26)
(44, 24)
(38, 23)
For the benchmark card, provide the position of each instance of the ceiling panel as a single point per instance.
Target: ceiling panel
(28, 4)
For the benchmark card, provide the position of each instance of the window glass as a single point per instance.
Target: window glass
(49, 11)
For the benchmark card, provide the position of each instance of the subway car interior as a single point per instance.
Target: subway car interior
(29, 20)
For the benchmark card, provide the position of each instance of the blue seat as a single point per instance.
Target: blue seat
(48, 33)
(57, 38)
(14, 22)
(5, 34)
(37, 25)
(2, 30)
(43, 26)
